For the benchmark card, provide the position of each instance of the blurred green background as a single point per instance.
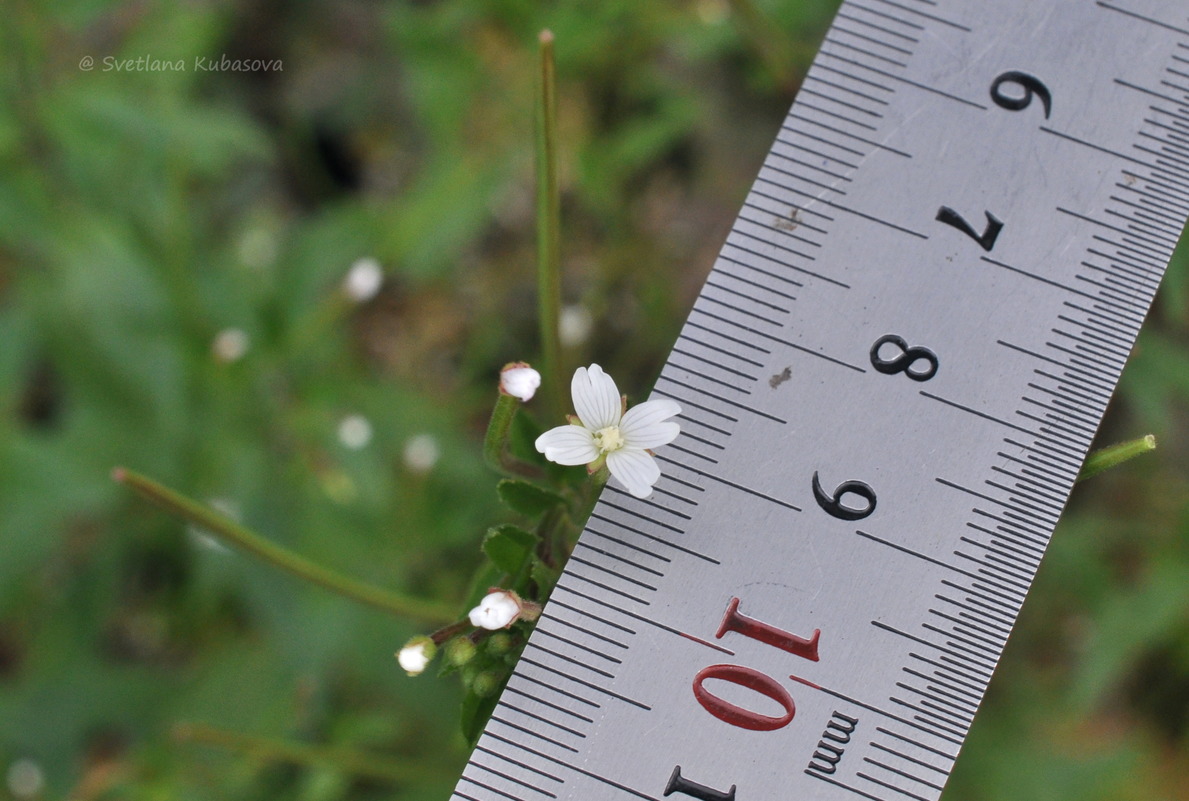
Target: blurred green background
(172, 250)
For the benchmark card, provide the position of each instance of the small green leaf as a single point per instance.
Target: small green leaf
(526, 498)
(509, 547)
(475, 712)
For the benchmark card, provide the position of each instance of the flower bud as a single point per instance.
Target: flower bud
(498, 610)
(519, 380)
(460, 651)
(416, 655)
(487, 683)
(500, 643)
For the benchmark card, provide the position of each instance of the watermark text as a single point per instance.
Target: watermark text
(221, 63)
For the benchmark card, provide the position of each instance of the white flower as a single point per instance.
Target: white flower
(416, 655)
(363, 280)
(25, 779)
(498, 610)
(230, 345)
(574, 325)
(603, 431)
(355, 431)
(519, 380)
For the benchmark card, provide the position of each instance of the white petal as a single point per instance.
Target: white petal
(568, 445)
(596, 398)
(644, 425)
(635, 469)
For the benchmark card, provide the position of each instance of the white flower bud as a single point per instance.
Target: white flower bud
(363, 280)
(498, 610)
(519, 380)
(416, 655)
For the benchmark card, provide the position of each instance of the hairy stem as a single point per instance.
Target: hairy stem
(244, 539)
(495, 444)
(548, 230)
(1109, 457)
(349, 762)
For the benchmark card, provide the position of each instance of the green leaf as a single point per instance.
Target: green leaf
(509, 547)
(526, 498)
(475, 712)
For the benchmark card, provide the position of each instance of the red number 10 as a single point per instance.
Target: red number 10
(750, 678)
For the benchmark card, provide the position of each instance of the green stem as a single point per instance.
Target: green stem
(234, 534)
(548, 230)
(595, 489)
(349, 762)
(1109, 457)
(551, 534)
(495, 444)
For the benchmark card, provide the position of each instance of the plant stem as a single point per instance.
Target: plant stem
(1106, 458)
(495, 444)
(349, 762)
(548, 229)
(448, 632)
(234, 534)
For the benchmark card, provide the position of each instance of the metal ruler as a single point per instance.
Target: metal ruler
(889, 383)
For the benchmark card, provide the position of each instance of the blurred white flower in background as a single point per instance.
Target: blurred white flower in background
(355, 431)
(362, 282)
(25, 779)
(574, 325)
(421, 453)
(230, 345)
(199, 535)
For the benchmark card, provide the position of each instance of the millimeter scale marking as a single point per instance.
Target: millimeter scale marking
(888, 384)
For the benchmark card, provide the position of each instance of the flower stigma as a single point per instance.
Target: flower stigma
(608, 439)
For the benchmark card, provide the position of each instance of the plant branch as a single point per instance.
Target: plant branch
(1106, 458)
(548, 229)
(495, 444)
(240, 537)
(350, 762)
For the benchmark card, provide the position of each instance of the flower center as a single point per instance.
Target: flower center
(608, 439)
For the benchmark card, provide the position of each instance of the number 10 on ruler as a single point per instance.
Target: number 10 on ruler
(734, 621)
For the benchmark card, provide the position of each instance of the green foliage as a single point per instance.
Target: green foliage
(528, 499)
(509, 548)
